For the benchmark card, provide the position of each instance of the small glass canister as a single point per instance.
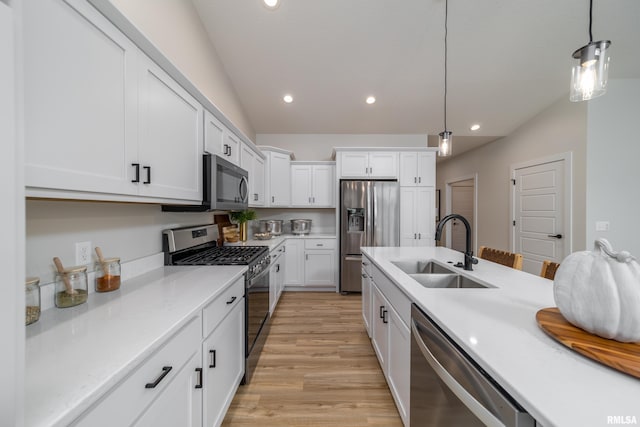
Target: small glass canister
(108, 275)
(71, 287)
(32, 299)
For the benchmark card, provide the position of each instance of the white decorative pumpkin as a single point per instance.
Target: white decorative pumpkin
(599, 291)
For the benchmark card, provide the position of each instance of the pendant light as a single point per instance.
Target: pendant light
(589, 77)
(446, 137)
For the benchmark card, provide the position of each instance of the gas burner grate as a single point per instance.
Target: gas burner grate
(226, 255)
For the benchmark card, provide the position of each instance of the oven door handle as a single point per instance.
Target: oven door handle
(258, 277)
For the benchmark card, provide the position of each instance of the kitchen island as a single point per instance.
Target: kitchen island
(496, 326)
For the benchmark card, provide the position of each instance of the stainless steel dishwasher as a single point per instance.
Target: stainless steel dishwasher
(449, 389)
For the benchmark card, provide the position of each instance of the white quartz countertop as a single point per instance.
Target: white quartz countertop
(74, 355)
(276, 240)
(498, 329)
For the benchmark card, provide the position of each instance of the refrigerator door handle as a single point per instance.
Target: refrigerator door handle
(353, 258)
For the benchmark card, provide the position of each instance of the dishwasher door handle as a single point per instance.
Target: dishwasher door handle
(474, 406)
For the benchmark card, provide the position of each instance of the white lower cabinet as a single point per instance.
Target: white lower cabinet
(391, 337)
(180, 404)
(366, 297)
(417, 216)
(223, 365)
(311, 262)
(276, 276)
(188, 381)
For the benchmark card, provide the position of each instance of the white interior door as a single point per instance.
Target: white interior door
(539, 229)
(462, 195)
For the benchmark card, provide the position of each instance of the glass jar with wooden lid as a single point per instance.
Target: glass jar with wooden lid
(71, 287)
(32, 299)
(108, 275)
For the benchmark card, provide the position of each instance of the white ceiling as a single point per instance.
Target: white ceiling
(508, 60)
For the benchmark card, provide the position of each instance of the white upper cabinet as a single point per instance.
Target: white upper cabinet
(102, 121)
(253, 163)
(278, 176)
(231, 148)
(362, 164)
(214, 133)
(170, 137)
(312, 184)
(418, 169)
(80, 99)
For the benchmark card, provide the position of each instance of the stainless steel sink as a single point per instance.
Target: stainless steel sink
(446, 281)
(421, 267)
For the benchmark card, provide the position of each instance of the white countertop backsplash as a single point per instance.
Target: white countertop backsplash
(497, 327)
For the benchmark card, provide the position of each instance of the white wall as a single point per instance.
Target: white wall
(126, 230)
(175, 28)
(558, 129)
(320, 146)
(613, 174)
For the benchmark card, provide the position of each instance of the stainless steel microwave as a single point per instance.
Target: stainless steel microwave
(224, 187)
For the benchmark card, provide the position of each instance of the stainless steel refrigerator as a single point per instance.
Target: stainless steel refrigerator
(369, 216)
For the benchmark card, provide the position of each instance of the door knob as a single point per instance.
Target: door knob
(555, 236)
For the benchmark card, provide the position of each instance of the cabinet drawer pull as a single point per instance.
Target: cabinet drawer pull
(381, 310)
(148, 169)
(415, 236)
(165, 371)
(415, 180)
(384, 317)
(277, 268)
(199, 371)
(419, 179)
(319, 244)
(213, 358)
(137, 166)
(232, 300)
(419, 236)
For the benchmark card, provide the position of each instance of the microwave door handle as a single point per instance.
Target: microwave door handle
(244, 189)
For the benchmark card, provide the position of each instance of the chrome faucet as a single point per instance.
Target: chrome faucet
(469, 260)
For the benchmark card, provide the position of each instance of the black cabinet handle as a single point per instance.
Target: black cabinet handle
(148, 169)
(277, 268)
(419, 236)
(232, 300)
(213, 358)
(199, 371)
(384, 316)
(165, 371)
(381, 310)
(137, 166)
(555, 236)
(415, 180)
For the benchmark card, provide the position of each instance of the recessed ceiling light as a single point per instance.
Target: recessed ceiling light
(271, 4)
(288, 99)
(475, 127)
(371, 100)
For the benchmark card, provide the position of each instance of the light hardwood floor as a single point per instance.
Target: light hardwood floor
(317, 368)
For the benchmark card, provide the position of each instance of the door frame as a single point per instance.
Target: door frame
(474, 227)
(567, 157)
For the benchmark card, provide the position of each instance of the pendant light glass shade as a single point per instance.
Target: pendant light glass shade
(589, 77)
(444, 143)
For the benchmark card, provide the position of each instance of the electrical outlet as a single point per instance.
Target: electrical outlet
(602, 225)
(83, 253)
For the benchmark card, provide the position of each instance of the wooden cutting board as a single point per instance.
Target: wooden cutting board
(624, 357)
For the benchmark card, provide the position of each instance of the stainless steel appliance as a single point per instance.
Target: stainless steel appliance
(368, 217)
(198, 246)
(272, 226)
(225, 186)
(449, 389)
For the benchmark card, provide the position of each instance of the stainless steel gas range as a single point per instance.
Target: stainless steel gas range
(198, 246)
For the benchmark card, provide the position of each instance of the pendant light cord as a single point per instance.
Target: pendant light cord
(446, 15)
(590, 20)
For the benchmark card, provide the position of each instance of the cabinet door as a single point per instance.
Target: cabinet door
(258, 185)
(408, 208)
(170, 137)
(323, 182)
(354, 165)
(399, 362)
(380, 331)
(282, 268)
(80, 99)
(301, 185)
(280, 179)
(231, 147)
(294, 259)
(223, 365)
(383, 164)
(214, 132)
(366, 301)
(408, 169)
(180, 404)
(426, 170)
(319, 268)
(273, 285)
(424, 216)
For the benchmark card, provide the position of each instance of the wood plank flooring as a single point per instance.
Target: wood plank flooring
(317, 368)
